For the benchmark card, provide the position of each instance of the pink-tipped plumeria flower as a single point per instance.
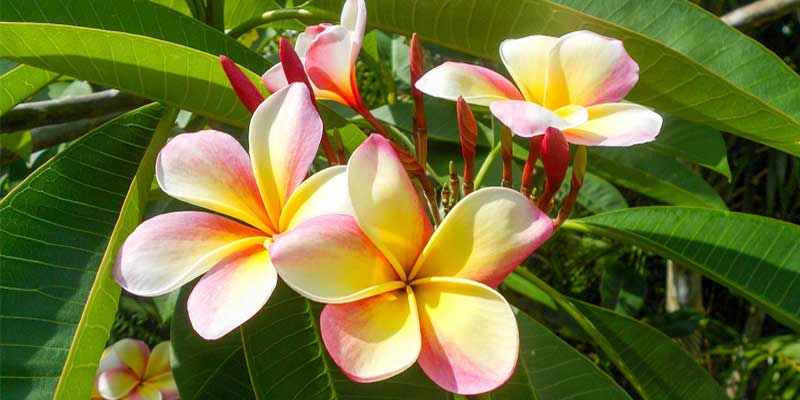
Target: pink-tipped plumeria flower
(129, 370)
(329, 54)
(397, 292)
(263, 191)
(573, 83)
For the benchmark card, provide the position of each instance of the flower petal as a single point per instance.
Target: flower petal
(210, 169)
(305, 38)
(477, 85)
(354, 19)
(528, 119)
(109, 361)
(325, 192)
(285, 132)
(616, 124)
(484, 237)
(526, 61)
(374, 338)
(274, 79)
(386, 206)
(470, 340)
(329, 259)
(159, 362)
(586, 69)
(169, 250)
(327, 69)
(116, 384)
(166, 385)
(145, 392)
(133, 354)
(231, 292)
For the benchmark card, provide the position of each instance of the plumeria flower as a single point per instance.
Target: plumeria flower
(129, 370)
(397, 292)
(573, 83)
(263, 191)
(329, 54)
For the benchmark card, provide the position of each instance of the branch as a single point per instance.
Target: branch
(759, 12)
(51, 135)
(50, 112)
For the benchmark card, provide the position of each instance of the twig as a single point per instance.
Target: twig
(51, 135)
(49, 112)
(759, 12)
(278, 15)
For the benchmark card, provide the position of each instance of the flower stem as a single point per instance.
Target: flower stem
(487, 163)
(278, 15)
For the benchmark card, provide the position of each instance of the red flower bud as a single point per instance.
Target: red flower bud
(248, 93)
(555, 157)
(292, 66)
(468, 133)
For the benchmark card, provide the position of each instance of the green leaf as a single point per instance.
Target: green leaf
(550, 369)
(651, 361)
(662, 370)
(598, 195)
(17, 142)
(152, 68)
(20, 83)
(92, 332)
(693, 142)
(757, 257)
(653, 174)
(138, 17)
(691, 64)
(285, 356)
(622, 288)
(239, 11)
(177, 5)
(56, 308)
(206, 369)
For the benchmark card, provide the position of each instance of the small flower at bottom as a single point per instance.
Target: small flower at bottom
(399, 292)
(265, 190)
(129, 370)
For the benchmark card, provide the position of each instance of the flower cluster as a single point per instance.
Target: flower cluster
(359, 237)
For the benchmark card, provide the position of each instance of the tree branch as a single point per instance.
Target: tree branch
(759, 12)
(51, 135)
(50, 112)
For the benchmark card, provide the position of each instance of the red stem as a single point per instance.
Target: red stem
(530, 165)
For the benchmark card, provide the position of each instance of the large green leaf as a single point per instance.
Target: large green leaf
(20, 83)
(692, 64)
(598, 195)
(55, 307)
(550, 369)
(138, 17)
(755, 256)
(91, 335)
(285, 358)
(152, 68)
(651, 361)
(699, 144)
(92, 332)
(661, 368)
(654, 174)
(207, 369)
